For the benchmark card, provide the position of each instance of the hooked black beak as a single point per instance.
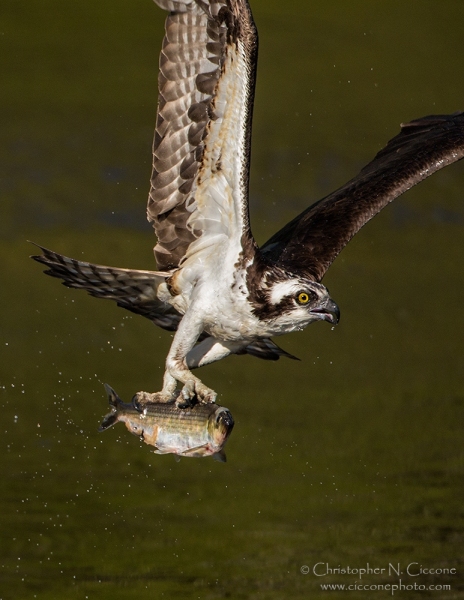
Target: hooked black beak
(329, 311)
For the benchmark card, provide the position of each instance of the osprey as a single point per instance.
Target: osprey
(219, 291)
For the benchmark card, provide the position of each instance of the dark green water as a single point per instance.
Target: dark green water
(352, 456)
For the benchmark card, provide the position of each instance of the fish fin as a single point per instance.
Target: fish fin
(191, 451)
(113, 398)
(110, 419)
(176, 457)
(220, 456)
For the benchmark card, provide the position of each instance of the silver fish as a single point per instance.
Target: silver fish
(201, 430)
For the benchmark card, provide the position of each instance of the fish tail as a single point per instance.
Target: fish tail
(112, 417)
(108, 421)
(113, 398)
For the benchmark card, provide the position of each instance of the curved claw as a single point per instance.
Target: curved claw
(188, 391)
(183, 403)
(195, 390)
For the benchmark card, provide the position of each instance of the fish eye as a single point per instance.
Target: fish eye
(303, 298)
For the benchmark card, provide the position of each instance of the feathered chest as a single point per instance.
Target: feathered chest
(215, 289)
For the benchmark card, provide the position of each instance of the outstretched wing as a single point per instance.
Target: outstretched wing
(201, 150)
(312, 241)
(136, 291)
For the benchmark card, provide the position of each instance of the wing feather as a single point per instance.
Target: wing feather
(201, 149)
(312, 241)
(267, 350)
(133, 290)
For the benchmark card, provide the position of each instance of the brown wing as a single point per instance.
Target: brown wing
(134, 290)
(202, 126)
(312, 241)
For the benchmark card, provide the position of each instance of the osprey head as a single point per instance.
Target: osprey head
(289, 303)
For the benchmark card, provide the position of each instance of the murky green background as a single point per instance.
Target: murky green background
(352, 456)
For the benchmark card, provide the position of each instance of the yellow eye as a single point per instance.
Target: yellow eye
(303, 298)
